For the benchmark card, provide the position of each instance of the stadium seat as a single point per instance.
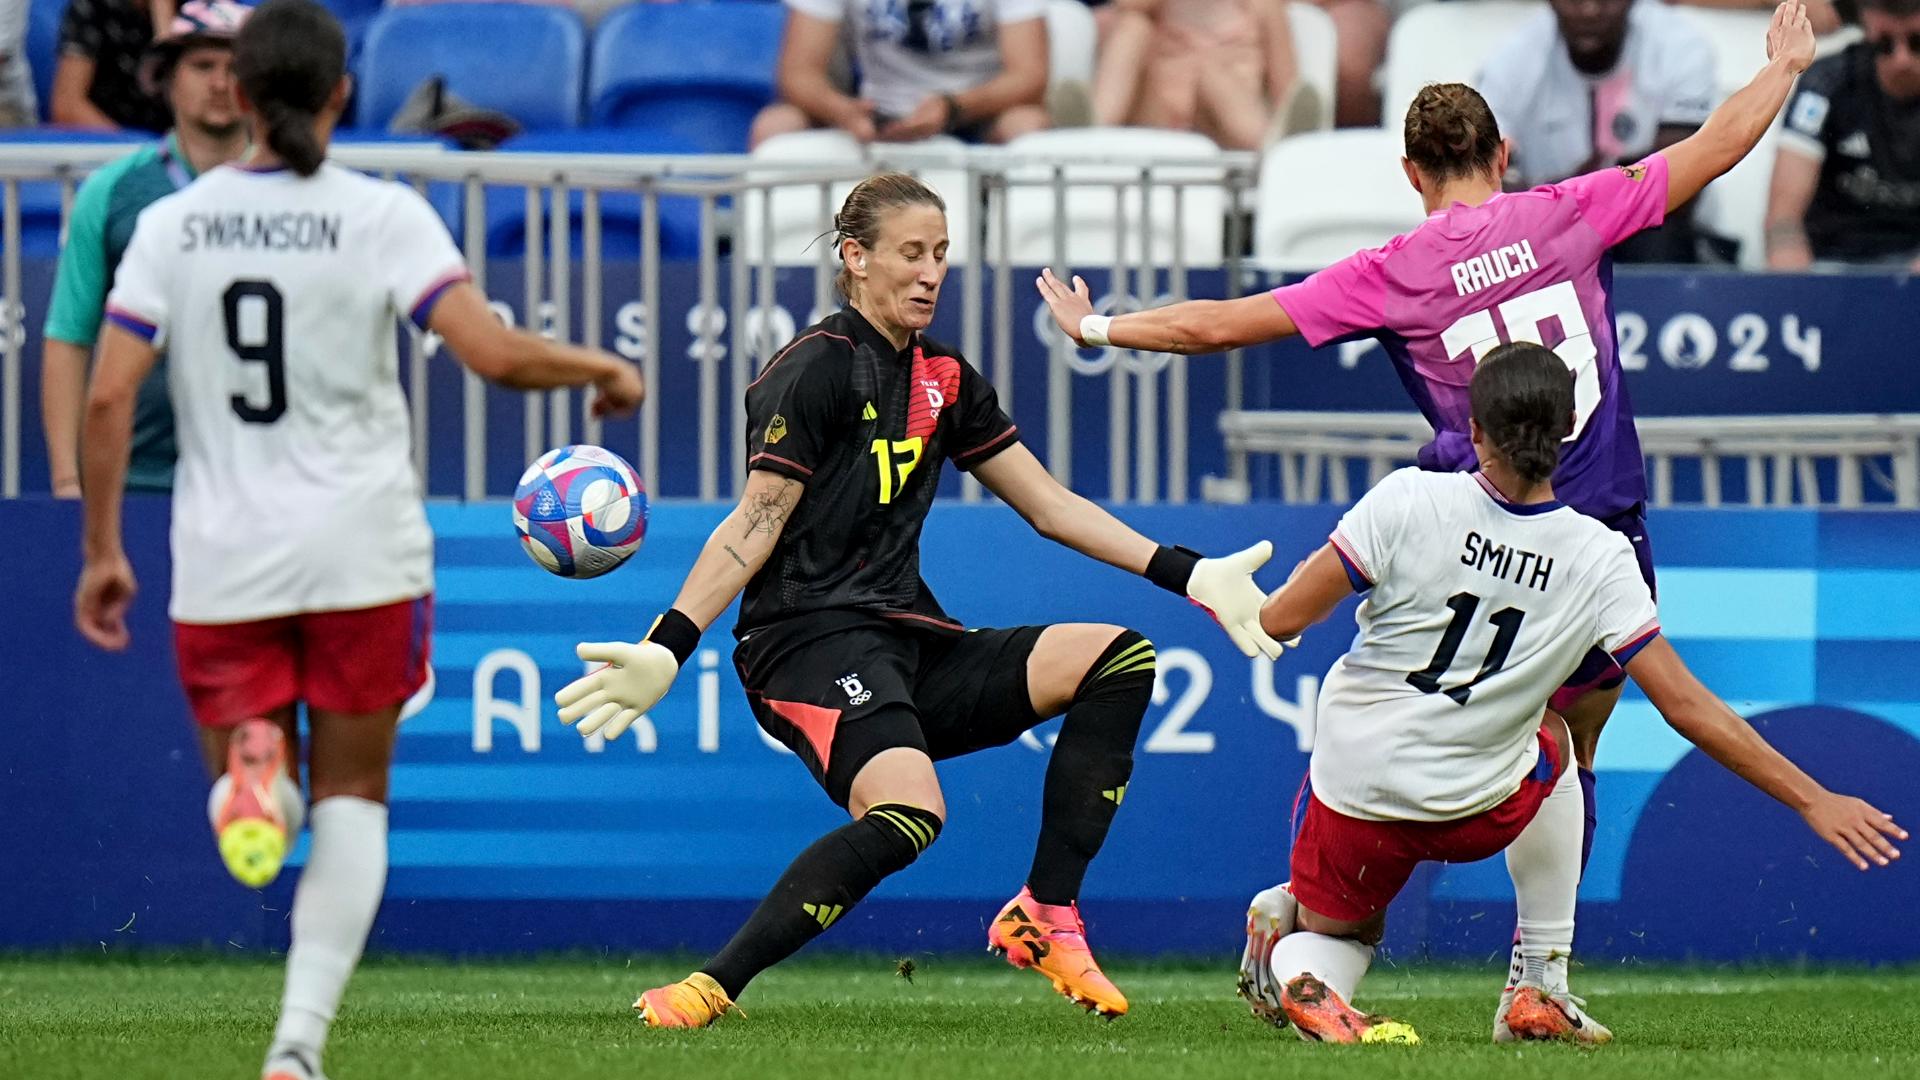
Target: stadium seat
(1070, 40)
(1315, 50)
(696, 70)
(798, 219)
(40, 212)
(1327, 194)
(525, 60)
(43, 47)
(620, 211)
(1092, 239)
(1447, 42)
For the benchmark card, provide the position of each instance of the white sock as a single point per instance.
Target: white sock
(293, 805)
(332, 911)
(1545, 864)
(1338, 962)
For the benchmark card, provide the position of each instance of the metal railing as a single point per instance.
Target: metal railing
(998, 188)
(1845, 461)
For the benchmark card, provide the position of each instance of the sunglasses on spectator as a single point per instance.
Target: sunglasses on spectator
(1884, 46)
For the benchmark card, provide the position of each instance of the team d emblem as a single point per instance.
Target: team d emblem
(856, 693)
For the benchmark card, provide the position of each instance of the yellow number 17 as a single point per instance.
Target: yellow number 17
(896, 460)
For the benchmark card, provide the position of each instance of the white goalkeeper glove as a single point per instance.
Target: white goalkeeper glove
(1226, 589)
(607, 700)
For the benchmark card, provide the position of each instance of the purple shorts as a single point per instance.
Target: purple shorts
(1597, 670)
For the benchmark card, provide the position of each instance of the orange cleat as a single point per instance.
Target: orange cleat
(1051, 939)
(250, 824)
(694, 1002)
(1319, 1015)
(1536, 1013)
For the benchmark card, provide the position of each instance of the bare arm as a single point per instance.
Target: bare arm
(524, 361)
(739, 546)
(1858, 830)
(1022, 79)
(1192, 326)
(70, 107)
(1795, 176)
(1060, 515)
(806, 51)
(1736, 126)
(1283, 68)
(63, 400)
(1316, 587)
(125, 361)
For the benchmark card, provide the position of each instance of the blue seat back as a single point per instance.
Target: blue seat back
(697, 70)
(620, 212)
(43, 47)
(526, 60)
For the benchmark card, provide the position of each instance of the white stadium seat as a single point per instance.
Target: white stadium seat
(1447, 42)
(1092, 238)
(1315, 50)
(1327, 194)
(797, 215)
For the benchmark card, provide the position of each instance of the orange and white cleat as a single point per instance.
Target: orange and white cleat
(1319, 1015)
(1051, 939)
(249, 821)
(694, 1002)
(1537, 1013)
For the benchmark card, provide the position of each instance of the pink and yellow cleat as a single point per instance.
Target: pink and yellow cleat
(694, 1002)
(1319, 1015)
(1051, 939)
(250, 824)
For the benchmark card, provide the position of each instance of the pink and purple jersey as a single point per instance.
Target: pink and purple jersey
(1523, 266)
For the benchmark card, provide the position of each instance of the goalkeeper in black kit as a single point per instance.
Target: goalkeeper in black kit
(847, 658)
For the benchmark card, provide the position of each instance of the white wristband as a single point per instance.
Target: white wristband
(1093, 330)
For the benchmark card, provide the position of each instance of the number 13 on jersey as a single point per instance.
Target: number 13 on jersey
(1524, 317)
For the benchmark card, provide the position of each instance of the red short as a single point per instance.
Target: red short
(358, 661)
(1350, 869)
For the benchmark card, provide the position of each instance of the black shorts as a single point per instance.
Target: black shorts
(838, 694)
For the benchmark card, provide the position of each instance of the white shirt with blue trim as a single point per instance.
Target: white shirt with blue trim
(276, 297)
(1476, 611)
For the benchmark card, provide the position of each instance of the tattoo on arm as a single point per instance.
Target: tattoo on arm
(728, 548)
(767, 510)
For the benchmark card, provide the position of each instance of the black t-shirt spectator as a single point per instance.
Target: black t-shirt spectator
(114, 34)
(1867, 205)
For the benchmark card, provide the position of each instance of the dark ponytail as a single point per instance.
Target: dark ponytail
(289, 57)
(1522, 398)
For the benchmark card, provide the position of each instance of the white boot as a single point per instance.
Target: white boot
(1270, 917)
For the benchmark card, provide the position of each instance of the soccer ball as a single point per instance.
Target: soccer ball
(580, 511)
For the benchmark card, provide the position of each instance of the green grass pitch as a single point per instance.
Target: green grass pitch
(839, 1018)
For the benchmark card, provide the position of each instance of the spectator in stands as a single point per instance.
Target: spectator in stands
(1823, 14)
(1846, 181)
(96, 83)
(17, 103)
(1224, 68)
(1360, 27)
(976, 69)
(1591, 83)
(193, 65)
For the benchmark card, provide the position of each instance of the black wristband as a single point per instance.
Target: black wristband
(677, 633)
(1171, 567)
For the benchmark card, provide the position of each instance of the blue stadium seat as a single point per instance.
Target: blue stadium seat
(620, 211)
(43, 47)
(525, 60)
(696, 70)
(40, 199)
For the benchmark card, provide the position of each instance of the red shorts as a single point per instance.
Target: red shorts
(1350, 869)
(358, 661)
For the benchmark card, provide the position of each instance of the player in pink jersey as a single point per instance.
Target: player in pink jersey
(1487, 267)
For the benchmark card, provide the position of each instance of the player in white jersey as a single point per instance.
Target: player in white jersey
(303, 565)
(1434, 742)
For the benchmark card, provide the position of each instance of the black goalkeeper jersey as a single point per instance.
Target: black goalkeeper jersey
(866, 428)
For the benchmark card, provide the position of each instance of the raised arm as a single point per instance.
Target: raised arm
(636, 676)
(1856, 829)
(1736, 126)
(1193, 326)
(1224, 587)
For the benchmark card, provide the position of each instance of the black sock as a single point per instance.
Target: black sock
(1092, 761)
(827, 879)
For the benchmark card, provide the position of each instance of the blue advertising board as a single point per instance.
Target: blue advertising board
(1700, 343)
(511, 834)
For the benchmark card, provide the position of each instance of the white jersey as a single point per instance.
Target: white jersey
(1476, 611)
(275, 297)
